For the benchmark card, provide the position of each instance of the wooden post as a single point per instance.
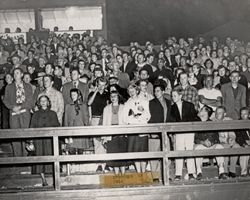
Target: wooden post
(57, 181)
(165, 148)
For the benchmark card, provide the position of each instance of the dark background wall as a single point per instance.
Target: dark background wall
(141, 20)
(155, 20)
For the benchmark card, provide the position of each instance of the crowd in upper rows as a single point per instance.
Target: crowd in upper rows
(81, 81)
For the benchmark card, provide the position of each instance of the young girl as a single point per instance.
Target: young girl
(44, 117)
(76, 114)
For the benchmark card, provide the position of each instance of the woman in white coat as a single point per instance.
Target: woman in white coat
(112, 115)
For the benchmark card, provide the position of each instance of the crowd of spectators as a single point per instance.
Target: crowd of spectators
(84, 81)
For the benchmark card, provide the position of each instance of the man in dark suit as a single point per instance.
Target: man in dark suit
(183, 111)
(128, 66)
(75, 83)
(159, 108)
(55, 44)
(170, 59)
(243, 139)
(51, 57)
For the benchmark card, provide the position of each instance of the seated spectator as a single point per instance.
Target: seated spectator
(243, 139)
(44, 117)
(208, 95)
(207, 140)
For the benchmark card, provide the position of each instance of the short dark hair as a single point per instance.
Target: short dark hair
(179, 90)
(235, 71)
(18, 68)
(208, 109)
(49, 76)
(244, 108)
(161, 86)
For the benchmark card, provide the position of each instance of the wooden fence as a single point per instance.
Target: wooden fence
(95, 131)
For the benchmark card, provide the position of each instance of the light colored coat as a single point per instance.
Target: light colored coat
(107, 115)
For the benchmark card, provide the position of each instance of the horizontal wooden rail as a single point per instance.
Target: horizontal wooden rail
(83, 158)
(96, 131)
(121, 130)
(124, 156)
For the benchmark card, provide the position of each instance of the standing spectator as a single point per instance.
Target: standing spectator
(75, 83)
(44, 117)
(207, 140)
(40, 88)
(56, 98)
(31, 59)
(233, 95)
(136, 111)
(16, 63)
(160, 109)
(18, 99)
(123, 78)
(144, 75)
(76, 114)
(243, 139)
(112, 115)
(3, 55)
(227, 140)
(189, 94)
(5, 115)
(143, 90)
(183, 111)
(170, 59)
(97, 101)
(50, 56)
(128, 66)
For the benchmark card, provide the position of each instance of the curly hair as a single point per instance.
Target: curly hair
(39, 104)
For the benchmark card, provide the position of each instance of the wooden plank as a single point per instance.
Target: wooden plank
(209, 152)
(111, 156)
(120, 130)
(30, 159)
(170, 192)
(57, 180)
(125, 156)
(165, 162)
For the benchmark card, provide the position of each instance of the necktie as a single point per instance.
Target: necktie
(75, 85)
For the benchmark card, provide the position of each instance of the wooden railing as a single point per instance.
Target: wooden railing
(96, 131)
